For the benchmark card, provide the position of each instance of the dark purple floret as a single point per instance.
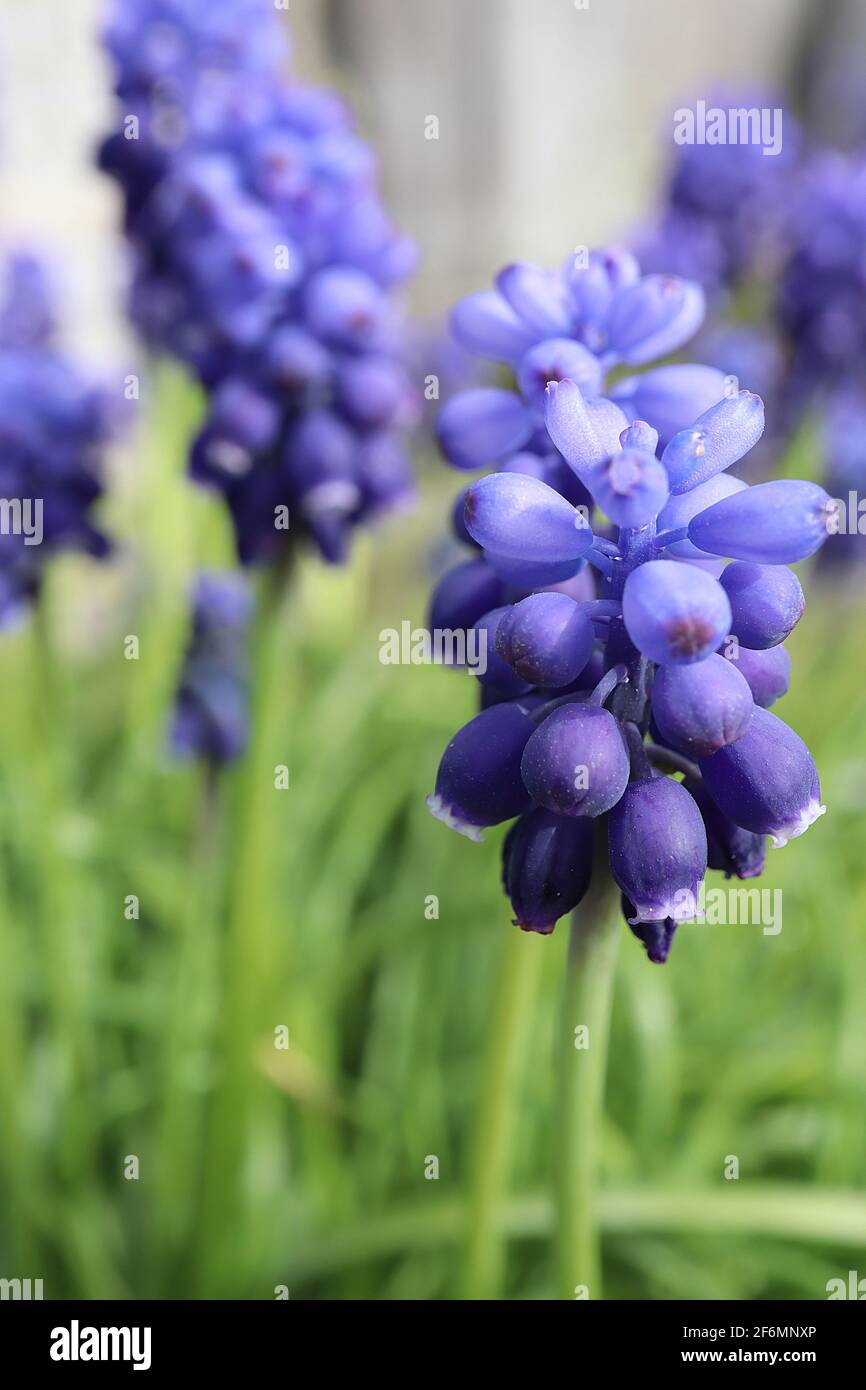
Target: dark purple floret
(658, 849)
(822, 296)
(766, 781)
(703, 707)
(479, 782)
(546, 639)
(576, 762)
(723, 215)
(656, 937)
(463, 595)
(737, 852)
(546, 867)
(492, 670)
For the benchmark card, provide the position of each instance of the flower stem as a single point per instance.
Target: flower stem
(58, 905)
(668, 758)
(245, 967)
(592, 947)
(484, 1250)
(187, 1033)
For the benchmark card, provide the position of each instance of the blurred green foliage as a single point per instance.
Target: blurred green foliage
(305, 1167)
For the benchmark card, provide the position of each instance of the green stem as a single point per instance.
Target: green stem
(250, 902)
(484, 1251)
(590, 969)
(58, 907)
(16, 1162)
(188, 1034)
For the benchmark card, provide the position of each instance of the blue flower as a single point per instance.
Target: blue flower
(573, 325)
(725, 204)
(265, 261)
(669, 660)
(822, 295)
(54, 426)
(724, 222)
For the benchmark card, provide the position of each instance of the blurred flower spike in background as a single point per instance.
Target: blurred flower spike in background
(725, 204)
(777, 245)
(54, 425)
(211, 716)
(596, 686)
(264, 260)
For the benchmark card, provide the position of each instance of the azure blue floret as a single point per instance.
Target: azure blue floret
(767, 672)
(773, 523)
(766, 601)
(703, 707)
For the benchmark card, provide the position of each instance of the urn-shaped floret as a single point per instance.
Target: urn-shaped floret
(546, 867)
(766, 781)
(479, 781)
(658, 849)
(675, 612)
(576, 763)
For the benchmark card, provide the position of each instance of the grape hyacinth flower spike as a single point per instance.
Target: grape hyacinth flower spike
(666, 663)
(601, 531)
(724, 204)
(266, 263)
(56, 425)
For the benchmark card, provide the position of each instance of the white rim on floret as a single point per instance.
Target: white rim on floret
(810, 813)
(444, 812)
